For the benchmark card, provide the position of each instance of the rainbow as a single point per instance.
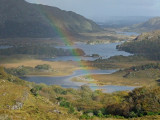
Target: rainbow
(67, 39)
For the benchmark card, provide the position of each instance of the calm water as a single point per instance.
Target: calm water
(5, 46)
(103, 50)
(66, 82)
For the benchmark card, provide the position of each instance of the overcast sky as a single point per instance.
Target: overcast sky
(104, 8)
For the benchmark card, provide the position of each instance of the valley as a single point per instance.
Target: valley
(66, 67)
(103, 69)
(56, 64)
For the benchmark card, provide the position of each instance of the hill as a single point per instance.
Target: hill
(22, 19)
(147, 44)
(150, 25)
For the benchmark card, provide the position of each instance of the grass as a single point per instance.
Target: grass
(140, 78)
(44, 105)
(59, 68)
(8, 97)
(38, 108)
(34, 108)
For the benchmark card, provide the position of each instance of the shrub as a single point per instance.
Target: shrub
(43, 67)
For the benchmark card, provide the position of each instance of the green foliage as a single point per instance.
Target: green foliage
(114, 116)
(145, 47)
(11, 78)
(100, 115)
(139, 102)
(59, 90)
(132, 114)
(43, 67)
(35, 90)
(84, 116)
(20, 71)
(153, 113)
(3, 74)
(66, 104)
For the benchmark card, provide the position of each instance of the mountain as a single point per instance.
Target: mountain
(22, 19)
(150, 25)
(146, 44)
(121, 21)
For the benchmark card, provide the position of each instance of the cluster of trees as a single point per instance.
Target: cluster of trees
(84, 100)
(45, 50)
(139, 102)
(21, 71)
(147, 48)
(43, 67)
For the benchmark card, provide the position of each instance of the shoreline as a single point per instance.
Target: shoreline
(99, 84)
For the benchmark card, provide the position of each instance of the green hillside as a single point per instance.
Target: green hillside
(22, 100)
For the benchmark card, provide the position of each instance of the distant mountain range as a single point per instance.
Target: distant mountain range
(19, 18)
(121, 21)
(150, 25)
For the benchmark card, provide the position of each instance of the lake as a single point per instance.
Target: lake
(103, 50)
(66, 82)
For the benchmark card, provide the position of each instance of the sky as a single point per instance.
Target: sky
(95, 9)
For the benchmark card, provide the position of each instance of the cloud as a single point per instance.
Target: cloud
(103, 8)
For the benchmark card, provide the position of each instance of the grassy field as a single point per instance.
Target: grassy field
(60, 68)
(138, 78)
